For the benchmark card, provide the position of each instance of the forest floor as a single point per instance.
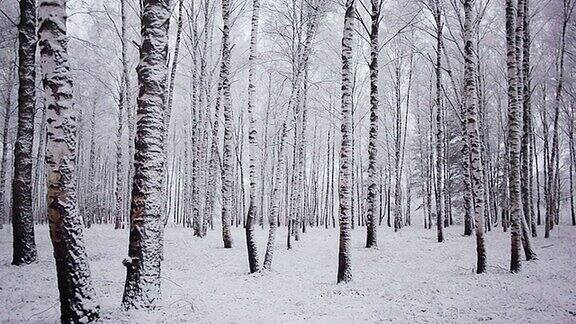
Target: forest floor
(410, 278)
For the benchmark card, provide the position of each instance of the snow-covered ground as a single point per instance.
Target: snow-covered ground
(410, 278)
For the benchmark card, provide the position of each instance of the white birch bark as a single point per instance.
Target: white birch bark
(24, 245)
(372, 208)
(472, 131)
(275, 199)
(228, 159)
(122, 107)
(437, 13)
(77, 302)
(524, 178)
(345, 175)
(514, 133)
(252, 143)
(142, 287)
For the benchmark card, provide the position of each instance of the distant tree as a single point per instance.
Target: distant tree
(553, 194)
(122, 108)
(275, 199)
(8, 111)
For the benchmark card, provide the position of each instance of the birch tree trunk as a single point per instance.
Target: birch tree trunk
(524, 90)
(142, 288)
(553, 196)
(204, 120)
(467, 181)
(472, 130)
(131, 118)
(524, 174)
(214, 167)
(397, 142)
(439, 127)
(252, 144)
(514, 132)
(40, 171)
(22, 211)
(119, 191)
(4, 162)
(227, 160)
(371, 216)
(77, 302)
(275, 199)
(345, 175)
(196, 133)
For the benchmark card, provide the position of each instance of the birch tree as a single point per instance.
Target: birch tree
(371, 217)
(514, 132)
(345, 175)
(553, 195)
(227, 159)
(440, 191)
(252, 142)
(472, 132)
(275, 199)
(122, 109)
(22, 211)
(525, 97)
(8, 110)
(524, 179)
(142, 288)
(77, 302)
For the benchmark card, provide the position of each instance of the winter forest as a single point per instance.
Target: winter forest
(254, 161)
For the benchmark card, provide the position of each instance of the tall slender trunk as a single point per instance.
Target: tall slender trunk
(22, 211)
(214, 167)
(227, 161)
(196, 113)
(77, 302)
(439, 133)
(553, 170)
(263, 165)
(4, 162)
(526, 147)
(514, 134)
(252, 143)
(39, 173)
(371, 225)
(169, 97)
(275, 199)
(571, 175)
(122, 108)
(344, 258)
(131, 117)
(91, 197)
(472, 130)
(145, 249)
(204, 104)
(533, 173)
(467, 179)
(524, 163)
(397, 147)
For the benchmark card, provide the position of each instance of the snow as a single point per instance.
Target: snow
(410, 278)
